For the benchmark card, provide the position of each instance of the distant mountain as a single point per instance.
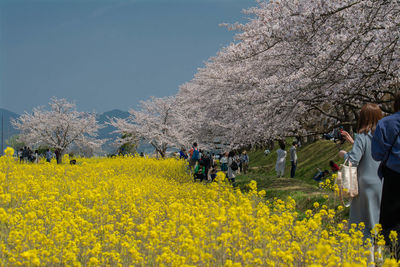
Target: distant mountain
(107, 131)
(8, 130)
(105, 117)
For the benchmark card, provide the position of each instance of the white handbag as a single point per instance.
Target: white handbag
(347, 180)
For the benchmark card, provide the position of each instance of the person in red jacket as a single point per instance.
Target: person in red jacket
(334, 167)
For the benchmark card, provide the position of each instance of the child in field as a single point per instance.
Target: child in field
(199, 172)
(212, 173)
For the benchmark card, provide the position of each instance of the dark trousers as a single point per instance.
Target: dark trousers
(199, 176)
(390, 206)
(293, 169)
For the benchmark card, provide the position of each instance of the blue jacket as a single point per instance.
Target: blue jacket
(387, 134)
(182, 155)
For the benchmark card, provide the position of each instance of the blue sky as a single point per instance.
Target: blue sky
(107, 54)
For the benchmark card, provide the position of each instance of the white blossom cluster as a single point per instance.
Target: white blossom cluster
(295, 68)
(59, 128)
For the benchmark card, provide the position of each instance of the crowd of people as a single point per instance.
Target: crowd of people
(25, 154)
(204, 164)
(375, 152)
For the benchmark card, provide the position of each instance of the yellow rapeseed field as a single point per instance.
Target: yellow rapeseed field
(133, 211)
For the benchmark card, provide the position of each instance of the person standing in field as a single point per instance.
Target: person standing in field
(366, 205)
(194, 155)
(281, 160)
(224, 162)
(232, 166)
(20, 155)
(183, 154)
(236, 158)
(386, 148)
(293, 159)
(49, 155)
(244, 160)
(36, 160)
(206, 162)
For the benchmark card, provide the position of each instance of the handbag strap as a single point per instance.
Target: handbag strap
(348, 161)
(340, 192)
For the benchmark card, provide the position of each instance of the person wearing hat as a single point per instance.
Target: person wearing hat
(244, 160)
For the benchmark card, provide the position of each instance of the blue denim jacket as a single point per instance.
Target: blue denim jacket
(386, 135)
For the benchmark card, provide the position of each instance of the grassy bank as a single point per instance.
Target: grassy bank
(302, 188)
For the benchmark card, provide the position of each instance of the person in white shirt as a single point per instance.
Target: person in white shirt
(281, 160)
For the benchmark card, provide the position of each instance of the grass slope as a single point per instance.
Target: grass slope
(302, 188)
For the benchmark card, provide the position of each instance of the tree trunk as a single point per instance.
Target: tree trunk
(162, 153)
(271, 144)
(58, 153)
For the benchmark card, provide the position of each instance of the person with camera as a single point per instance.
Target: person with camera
(365, 206)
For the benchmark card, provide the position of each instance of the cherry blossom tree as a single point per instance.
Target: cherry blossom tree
(157, 122)
(298, 68)
(59, 128)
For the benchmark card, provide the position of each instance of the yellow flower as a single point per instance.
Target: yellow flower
(9, 151)
(393, 236)
(133, 211)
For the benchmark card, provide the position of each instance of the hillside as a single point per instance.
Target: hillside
(302, 188)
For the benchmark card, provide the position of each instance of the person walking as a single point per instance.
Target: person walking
(281, 160)
(49, 155)
(386, 148)
(293, 159)
(232, 167)
(20, 155)
(25, 154)
(244, 160)
(36, 160)
(366, 205)
(224, 162)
